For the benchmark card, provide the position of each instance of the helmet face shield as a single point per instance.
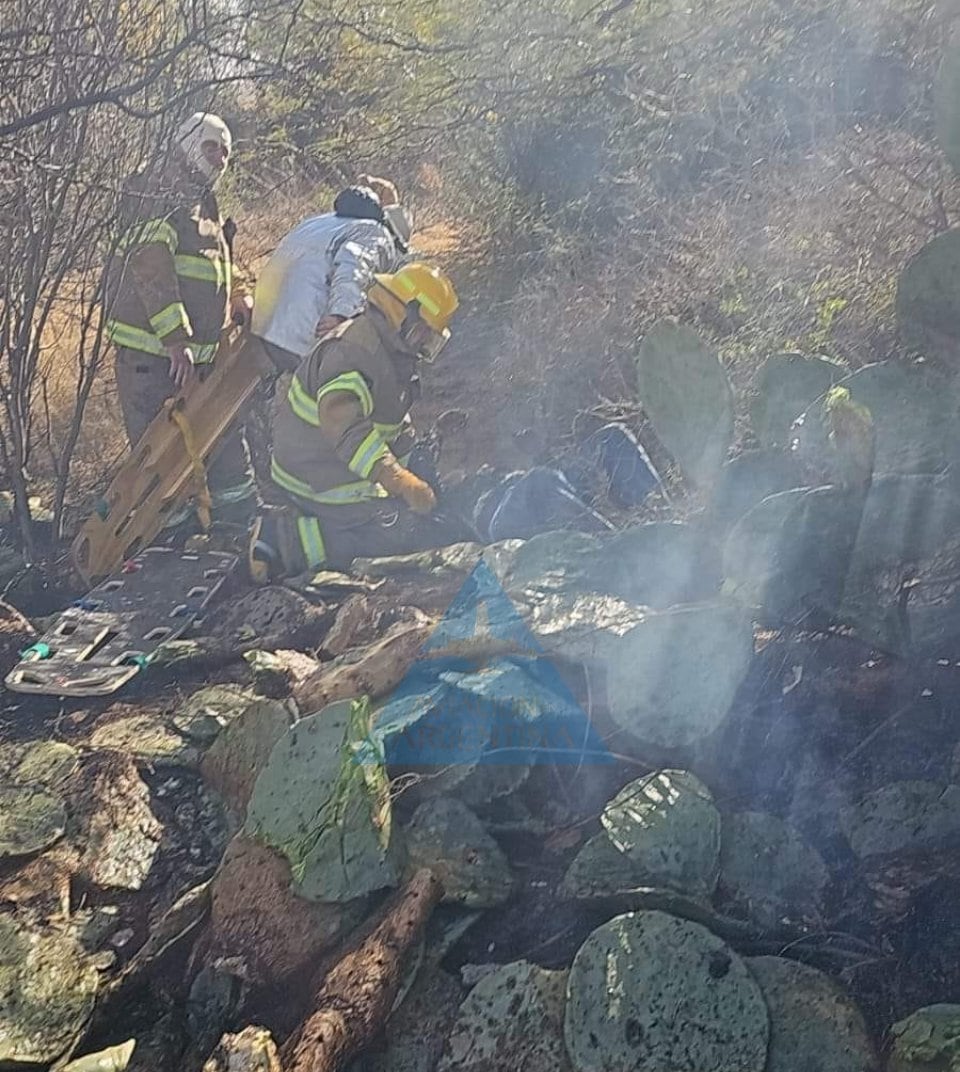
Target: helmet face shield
(419, 337)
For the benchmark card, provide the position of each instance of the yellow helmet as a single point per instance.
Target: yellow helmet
(419, 301)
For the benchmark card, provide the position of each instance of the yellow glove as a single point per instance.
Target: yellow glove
(416, 493)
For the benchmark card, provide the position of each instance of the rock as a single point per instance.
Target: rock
(47, 990)
(31, 818)
(123, 835)
(687, 397)
(788, 385)
(790, 553)
(47, 763)
(234, 760)
(814, 1025)
(748, 480)
(769, 869)
(667, 824)
(649, 992)
(903, 817)
(260, 924)
(277, 673)
(207, 711)
(512, 1019)
(144, 737)
(927, 1040)
(670, 676)
(446, 837)
(322, 800)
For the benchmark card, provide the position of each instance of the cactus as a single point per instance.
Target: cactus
(31, 819)
(813, 1021)
(946, 105)
(788, 384)
(512, 1018)
(669, 827)
(323, 801)
(687, 397)
(650, 991)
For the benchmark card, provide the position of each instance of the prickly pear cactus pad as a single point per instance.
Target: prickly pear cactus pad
(31, 819)
(903, 817)
(928, 1040)
(512, 1019)
(787, 386)
(946, 105)
(814, 1024)
(768, 867)
(687, 396)
(649, 992)
(669, 827)
(44, 762)
(47, 989)
(322, 800)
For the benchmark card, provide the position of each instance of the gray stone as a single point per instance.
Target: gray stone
(814, 1024)
(927, 1040)
(445, 836)
(788, 385)
(687, 397)
(649, 992)
(768, 868)
(667, 824)
(31, 818)
(47, 990)
(511, 1019)
(903, 817)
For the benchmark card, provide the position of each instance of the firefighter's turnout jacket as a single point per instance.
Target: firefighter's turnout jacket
(347, 409)
(323, 267)
(169, 281)
(169, 278)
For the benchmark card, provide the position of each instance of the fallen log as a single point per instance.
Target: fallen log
(356, 995)
(378, 669)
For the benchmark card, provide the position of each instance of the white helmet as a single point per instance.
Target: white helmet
(193, 132)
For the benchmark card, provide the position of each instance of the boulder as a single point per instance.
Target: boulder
(648, 992)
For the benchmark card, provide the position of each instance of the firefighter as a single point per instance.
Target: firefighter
(318, 277)
(169, 296)
(345, 425)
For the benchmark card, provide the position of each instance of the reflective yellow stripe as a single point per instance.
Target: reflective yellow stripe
(147, 232)
(343, 494)
(311, 540)
(366, 456)
(355, 384)
(417, 295)
(169, 319)
(131, 337)
(302, 404)
(206, 269)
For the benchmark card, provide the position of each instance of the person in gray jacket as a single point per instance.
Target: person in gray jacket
(319, 274)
